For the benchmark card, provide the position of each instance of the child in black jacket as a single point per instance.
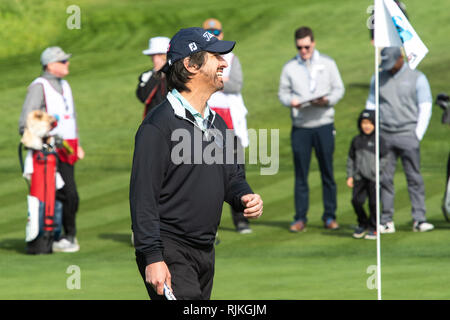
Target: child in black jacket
(361, 174)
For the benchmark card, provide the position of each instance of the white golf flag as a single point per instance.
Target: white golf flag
(392, 29)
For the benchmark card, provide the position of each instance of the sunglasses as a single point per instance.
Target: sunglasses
(303, 47)
(215, 32)
(63, 61)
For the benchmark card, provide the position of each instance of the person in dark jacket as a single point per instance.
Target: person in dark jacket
(361, 174)
(176, 192)
(152, 87)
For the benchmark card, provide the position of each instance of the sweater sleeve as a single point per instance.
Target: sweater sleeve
(145, 85)
(237, 186)
(425, 102)
(285, 88)
(150, 160)
(33, 101)
(337, 86)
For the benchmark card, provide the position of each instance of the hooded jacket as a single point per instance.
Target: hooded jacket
(361, 156)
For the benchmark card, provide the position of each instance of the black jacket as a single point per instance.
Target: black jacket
(181, 201)
(152, 89)
(361, 156)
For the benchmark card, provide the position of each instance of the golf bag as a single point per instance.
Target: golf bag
(44, 211)
(443, 101)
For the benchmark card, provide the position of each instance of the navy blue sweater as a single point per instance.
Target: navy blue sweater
(181, 201)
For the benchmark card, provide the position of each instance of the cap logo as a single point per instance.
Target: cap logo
(208, 36)
(193, 46)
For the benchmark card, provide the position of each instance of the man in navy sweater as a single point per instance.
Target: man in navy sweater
(177, 193)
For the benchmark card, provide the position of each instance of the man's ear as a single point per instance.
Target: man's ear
(192, 68)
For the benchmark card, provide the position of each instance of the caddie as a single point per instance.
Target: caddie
(52, 94)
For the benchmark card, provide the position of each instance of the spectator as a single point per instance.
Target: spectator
(405, 111)
(310, 86)
(176, 207)
(228, 103)
(152, 87)
(361, 174)
(52, 94)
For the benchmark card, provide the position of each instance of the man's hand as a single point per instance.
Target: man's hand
(253, 204)
(80, 153)
(322, 101)
(156, 274)
(350, 182)
(295, 104)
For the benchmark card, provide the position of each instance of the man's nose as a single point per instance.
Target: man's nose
(222, 62)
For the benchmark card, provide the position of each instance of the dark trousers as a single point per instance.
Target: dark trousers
(362, 189)
(192, 271)
(303, 141)
(68, 195)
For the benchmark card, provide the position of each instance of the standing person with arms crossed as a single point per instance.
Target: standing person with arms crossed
(310, 85)
(405, 111)
(228, 103)
(52, 94)
(152, 87)
(176, 207)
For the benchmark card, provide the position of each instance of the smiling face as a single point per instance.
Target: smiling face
(367, 126)
(305, 47)
(212, 70)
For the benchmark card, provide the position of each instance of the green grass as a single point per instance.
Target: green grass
(270, 263)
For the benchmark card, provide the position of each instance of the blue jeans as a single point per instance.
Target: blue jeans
(303, 141)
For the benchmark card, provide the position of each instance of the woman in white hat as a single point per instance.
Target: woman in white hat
(152, 87)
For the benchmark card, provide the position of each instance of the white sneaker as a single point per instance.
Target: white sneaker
(422, 226)
(389, 227)
(65, 245)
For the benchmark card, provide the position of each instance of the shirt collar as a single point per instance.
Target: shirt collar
(314, 57)
(180, 105)
(188, 106)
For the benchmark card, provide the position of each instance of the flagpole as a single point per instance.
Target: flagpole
(377, 167)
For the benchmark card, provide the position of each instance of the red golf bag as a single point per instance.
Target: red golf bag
(44, 211)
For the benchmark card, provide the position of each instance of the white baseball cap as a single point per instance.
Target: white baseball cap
(54, 54)
(157, 45)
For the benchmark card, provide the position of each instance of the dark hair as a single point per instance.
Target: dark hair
(304, 32)
(178, 75)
